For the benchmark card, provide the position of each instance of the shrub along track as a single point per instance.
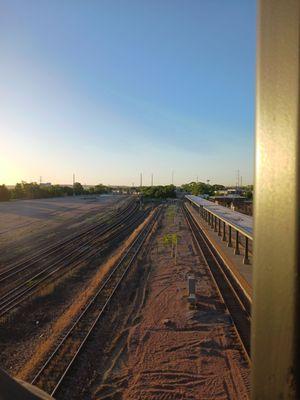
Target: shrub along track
(54, 262)
(54, 376)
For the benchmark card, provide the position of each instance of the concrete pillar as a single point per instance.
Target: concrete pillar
(275, 347)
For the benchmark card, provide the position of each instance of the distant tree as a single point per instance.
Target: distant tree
(18, 191)
(218, 187)
(249, 194)
(158, 192)
(78, 188)
(66, 190)
(4, 193)
(32, 190)
(199, 188)
(100, 189)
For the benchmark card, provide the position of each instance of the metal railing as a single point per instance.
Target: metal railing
(235, 236)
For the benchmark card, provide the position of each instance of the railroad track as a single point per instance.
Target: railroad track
(65, 250)
(22, 265)
(53, 373)
(20, 293)
(233, 294)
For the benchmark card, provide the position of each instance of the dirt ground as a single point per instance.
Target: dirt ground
(153, 344)
(26, 225)
(175, 352)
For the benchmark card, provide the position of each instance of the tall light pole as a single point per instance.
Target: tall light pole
(172, 177)
(73, 184)
(238, 179)
(141, 179)
(151, 179)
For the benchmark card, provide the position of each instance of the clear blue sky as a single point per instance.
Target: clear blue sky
(108, 89)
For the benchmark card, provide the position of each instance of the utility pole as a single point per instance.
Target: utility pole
(73, 184)
(197, 178)
(141, 179)
(40, 180)
(238, 179)
(172, 177)
(151, 179)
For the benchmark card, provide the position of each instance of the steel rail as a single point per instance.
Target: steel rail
(18, 295)
(41, 254)
(231, 291)
(80, 251)
(81, 331)
(88, 237)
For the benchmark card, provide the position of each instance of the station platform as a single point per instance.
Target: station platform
(242, 272)
(241, 222)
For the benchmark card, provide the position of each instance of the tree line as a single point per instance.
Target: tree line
(26, 190)
(33, 190)
(158, 192)
(200, 188)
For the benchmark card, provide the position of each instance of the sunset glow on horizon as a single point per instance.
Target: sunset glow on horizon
(107, 91)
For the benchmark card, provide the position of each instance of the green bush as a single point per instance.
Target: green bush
(4, 193)
(33, 190)
(158, 192)
(198, 188)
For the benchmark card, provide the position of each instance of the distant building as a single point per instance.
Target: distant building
(235, 202)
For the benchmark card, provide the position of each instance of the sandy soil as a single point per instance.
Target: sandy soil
(175, 352)
(26, 225)
(154, 345)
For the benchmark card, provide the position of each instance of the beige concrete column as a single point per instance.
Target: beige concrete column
(276, 314)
